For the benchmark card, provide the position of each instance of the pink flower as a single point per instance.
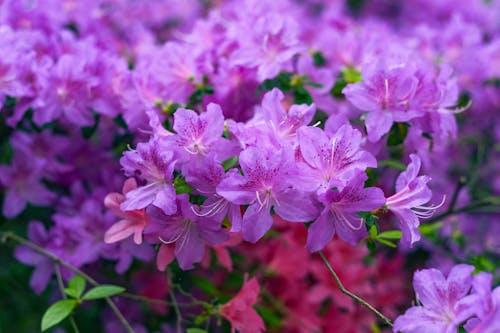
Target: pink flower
(133, 221)
(239, 310)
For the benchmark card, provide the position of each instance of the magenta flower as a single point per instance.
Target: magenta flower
(204, 176)
(153, 162)
(486, 305)
(340, 214)
(22, 180)
(281, 124)
(268, 44)
(198, 135)
(268, 181)
(385, 92)
(442, 301)
(188, 231)
(334, 159)
(412, 193)
(133, 221)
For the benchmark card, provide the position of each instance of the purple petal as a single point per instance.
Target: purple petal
(377, 124)
(256, 222)
(13, 204)
(320, 232)
(165, 199)
(190, 248)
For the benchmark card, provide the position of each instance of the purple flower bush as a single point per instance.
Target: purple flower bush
(177, 147)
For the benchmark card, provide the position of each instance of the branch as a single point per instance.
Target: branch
(6, 235)
(63, 294)
(350, 294)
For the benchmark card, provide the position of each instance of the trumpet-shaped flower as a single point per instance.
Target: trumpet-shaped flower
(334, 159)
(186, 230)
(154, 163)
(412, 193)
(133, 221)
(340, 213)
(443, 303)
(268, 181)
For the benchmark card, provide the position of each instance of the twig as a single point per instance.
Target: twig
(61, 289)
(468, 208)
(145, 299)
(6, 235)
(177, 311)
(350, 294)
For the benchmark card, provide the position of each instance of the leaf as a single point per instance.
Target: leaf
(397, 134)
(195, 330)
(393, 164)
(429, 229)
(391, 234)
(373, 231)
(57, 312)
(386, 242)
(103, 292)
(77, 284)
(230, 162)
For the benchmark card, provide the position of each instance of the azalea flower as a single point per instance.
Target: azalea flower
(239, 310)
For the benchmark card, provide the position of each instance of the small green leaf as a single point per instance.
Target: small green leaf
(373, 231)
(230, 162)
(351, 75)
(391, 234)
(430, 229)
(318, 59)
(386, 242)
(397, 134)
(195, 330)
(102, 292)
(392, 164)
(57, 312)
(77, 284)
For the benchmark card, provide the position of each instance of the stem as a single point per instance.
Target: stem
(351, 295)
(61, 289)
(145, 299)
(177, 311)
(6, 235)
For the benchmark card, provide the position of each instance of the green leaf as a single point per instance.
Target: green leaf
(351, 75)
(205, 285)
(391, 234)
(429, 229)
(230, 162)
(77, 285)
(318, 59)
(181, 186)
(386, 242)
(373, 231)
(57, 312)
(397, 134)
(270, 318)
(102, 292)
(195, 330)
(392, 164)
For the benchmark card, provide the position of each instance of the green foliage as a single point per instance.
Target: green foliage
(57, 312)
(76, 286)
(195, 330)
(318, 59)
(347, 76)
(230, 162)
(102, 291)
(181, 186)
(397, 134)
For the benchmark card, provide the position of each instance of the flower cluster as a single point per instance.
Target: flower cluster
(200, 132)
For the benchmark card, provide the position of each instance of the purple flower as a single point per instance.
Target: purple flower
(486, 305)
(269, 44)
(204, 176)
(188, 231)
(269, 180)
(385, 92)
(23, 182)
(340, 213)
(153, 162)
(332, 159)
(412, 193)
(43, 265)
(443, 307)
(198, 135)
(281, 125)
